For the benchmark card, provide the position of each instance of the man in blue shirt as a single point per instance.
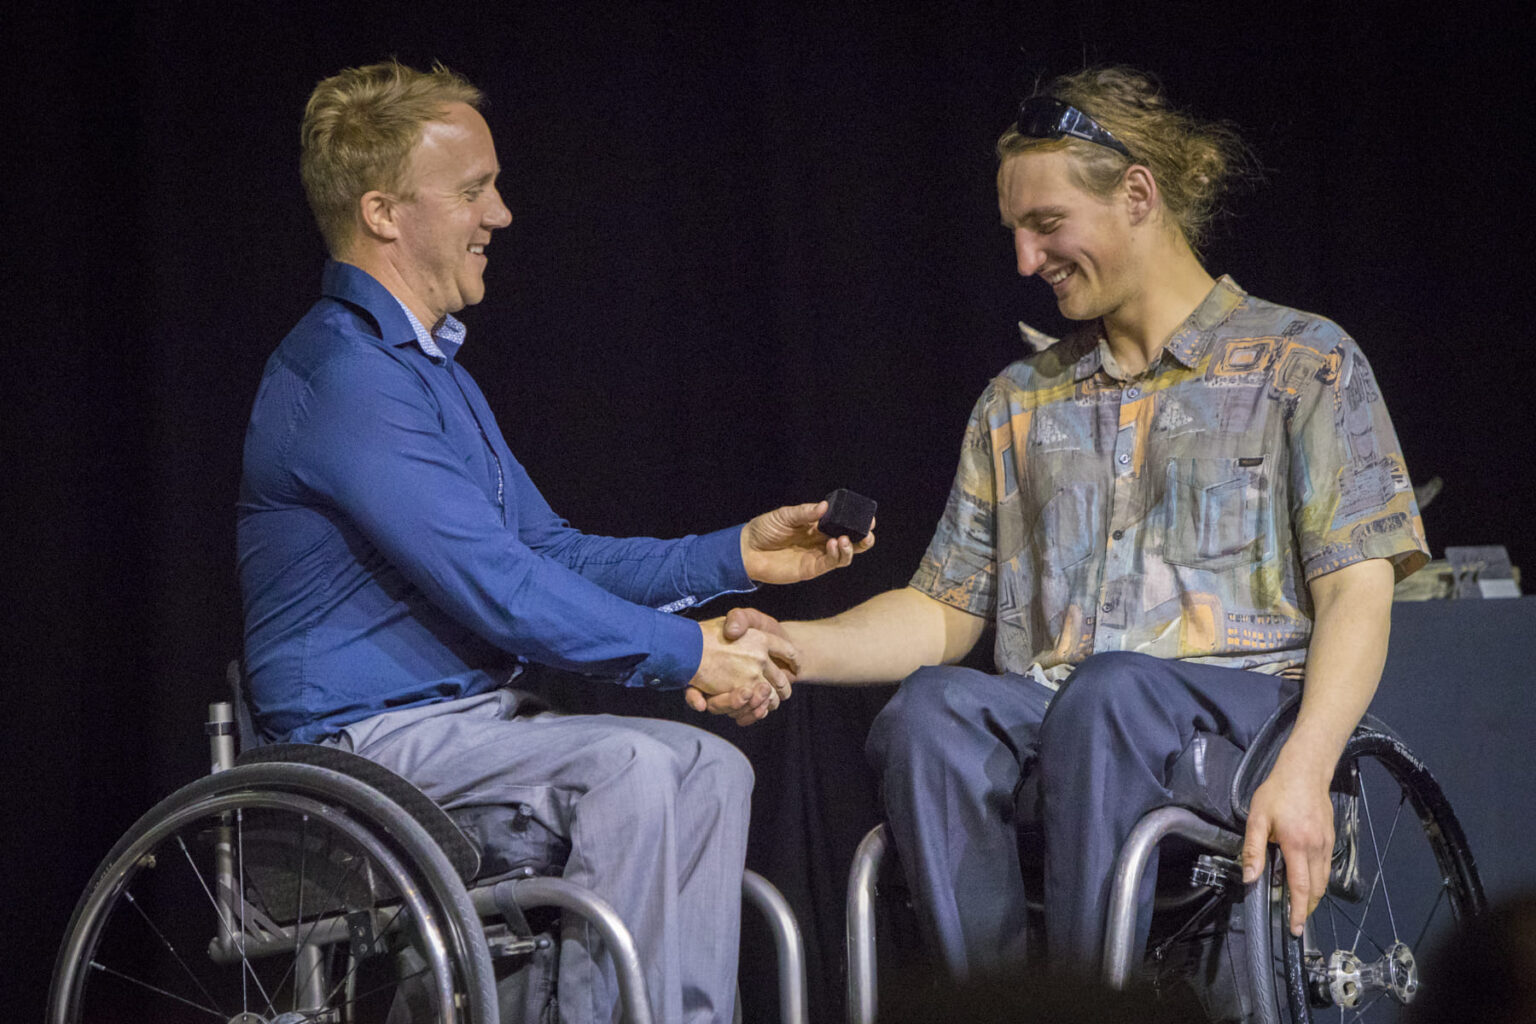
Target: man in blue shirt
(399, 568)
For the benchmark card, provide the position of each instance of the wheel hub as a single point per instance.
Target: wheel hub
(1347, 980)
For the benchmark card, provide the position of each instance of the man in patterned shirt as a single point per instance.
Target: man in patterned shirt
(1176, 516)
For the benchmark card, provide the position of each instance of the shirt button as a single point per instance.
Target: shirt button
(1106, 607)
(1133, 393)
(1118, 534)
(1125, 460)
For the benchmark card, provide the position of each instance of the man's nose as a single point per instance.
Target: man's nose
(498, 216)
(1031, 257)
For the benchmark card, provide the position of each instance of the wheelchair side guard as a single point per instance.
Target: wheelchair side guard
(460, 851)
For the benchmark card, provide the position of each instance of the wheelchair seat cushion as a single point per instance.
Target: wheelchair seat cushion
(461, 852)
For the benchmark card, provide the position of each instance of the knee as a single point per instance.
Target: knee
(916, 718)
(645, 771)
(724, 767)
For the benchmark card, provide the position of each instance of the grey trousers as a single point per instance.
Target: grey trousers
(656, 813)
(953, 746)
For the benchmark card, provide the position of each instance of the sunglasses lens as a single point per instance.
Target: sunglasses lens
(1045, 117)
(1040, 117)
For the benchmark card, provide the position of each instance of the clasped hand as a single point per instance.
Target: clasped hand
(746, 670)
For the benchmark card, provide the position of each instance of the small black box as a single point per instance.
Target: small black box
(849, 514)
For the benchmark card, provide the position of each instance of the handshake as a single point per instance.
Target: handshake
(748, 668)
(749, 663)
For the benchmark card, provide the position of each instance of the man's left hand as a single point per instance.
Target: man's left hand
(1292, 809)
(784, 546)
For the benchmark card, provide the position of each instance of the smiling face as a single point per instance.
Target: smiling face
(449, 209)
(1077, 243)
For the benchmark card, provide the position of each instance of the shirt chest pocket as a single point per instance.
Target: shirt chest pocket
(1217, 512)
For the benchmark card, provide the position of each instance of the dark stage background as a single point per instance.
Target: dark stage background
(756, 257)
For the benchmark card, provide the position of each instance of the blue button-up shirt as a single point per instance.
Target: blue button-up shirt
(394, 553)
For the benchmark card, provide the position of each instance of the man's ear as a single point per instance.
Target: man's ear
(1141, 194)
(376, 215)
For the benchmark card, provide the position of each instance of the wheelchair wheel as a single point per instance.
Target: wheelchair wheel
(274, 894)
(1402, 878)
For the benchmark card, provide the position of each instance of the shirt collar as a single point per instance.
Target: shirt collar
(396, 324)
(1188, 344)
(449, 335)
(1191, 341)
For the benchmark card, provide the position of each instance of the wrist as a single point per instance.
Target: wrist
(749, 566)
(1310, 762)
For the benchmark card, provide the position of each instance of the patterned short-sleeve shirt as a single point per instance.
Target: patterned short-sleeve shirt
(1179, 512)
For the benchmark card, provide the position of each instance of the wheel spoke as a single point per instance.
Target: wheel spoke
(104, 969)
(1359, 930)
(1361, 1011)
(352, 863)
(1433, 910)
(303, 862)
(1377, 850)
(358, 996)
(218, 911)
(298, 924)
(170, 948)
(356, 962)
(248, 972)
(1382, 850)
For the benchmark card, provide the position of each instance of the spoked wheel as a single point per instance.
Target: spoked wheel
(274, 894)
(1404, 878)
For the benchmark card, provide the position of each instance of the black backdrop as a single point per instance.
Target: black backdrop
(756, 256)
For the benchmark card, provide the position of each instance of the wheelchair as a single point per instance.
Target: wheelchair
(303, 884)
(1357, 956)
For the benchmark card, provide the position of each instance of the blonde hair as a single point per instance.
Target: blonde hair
(1194, 162)
(359, 129)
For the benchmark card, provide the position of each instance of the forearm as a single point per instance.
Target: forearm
(683, 572)
(883, 640)
(1344, 662)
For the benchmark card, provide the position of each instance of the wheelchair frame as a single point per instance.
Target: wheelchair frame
(1312, 978)
(402, 837)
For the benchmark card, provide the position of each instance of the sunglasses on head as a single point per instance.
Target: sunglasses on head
(1046, 117)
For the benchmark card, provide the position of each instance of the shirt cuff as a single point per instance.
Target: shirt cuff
(677, 646)
(721, 552)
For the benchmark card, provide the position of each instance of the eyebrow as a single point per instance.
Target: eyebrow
(1034, 217)
(482, 180)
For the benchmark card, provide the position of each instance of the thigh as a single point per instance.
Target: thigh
(1160, 702)
(956, 712)
(544, 761)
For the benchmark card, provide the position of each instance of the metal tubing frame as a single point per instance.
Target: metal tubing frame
(557, 892)
(1154, 826)
(787, 944)
(862, 979)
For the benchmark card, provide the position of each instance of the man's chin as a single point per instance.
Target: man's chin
(1075, 311)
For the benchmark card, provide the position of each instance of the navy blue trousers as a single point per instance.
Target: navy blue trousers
(953, 746)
